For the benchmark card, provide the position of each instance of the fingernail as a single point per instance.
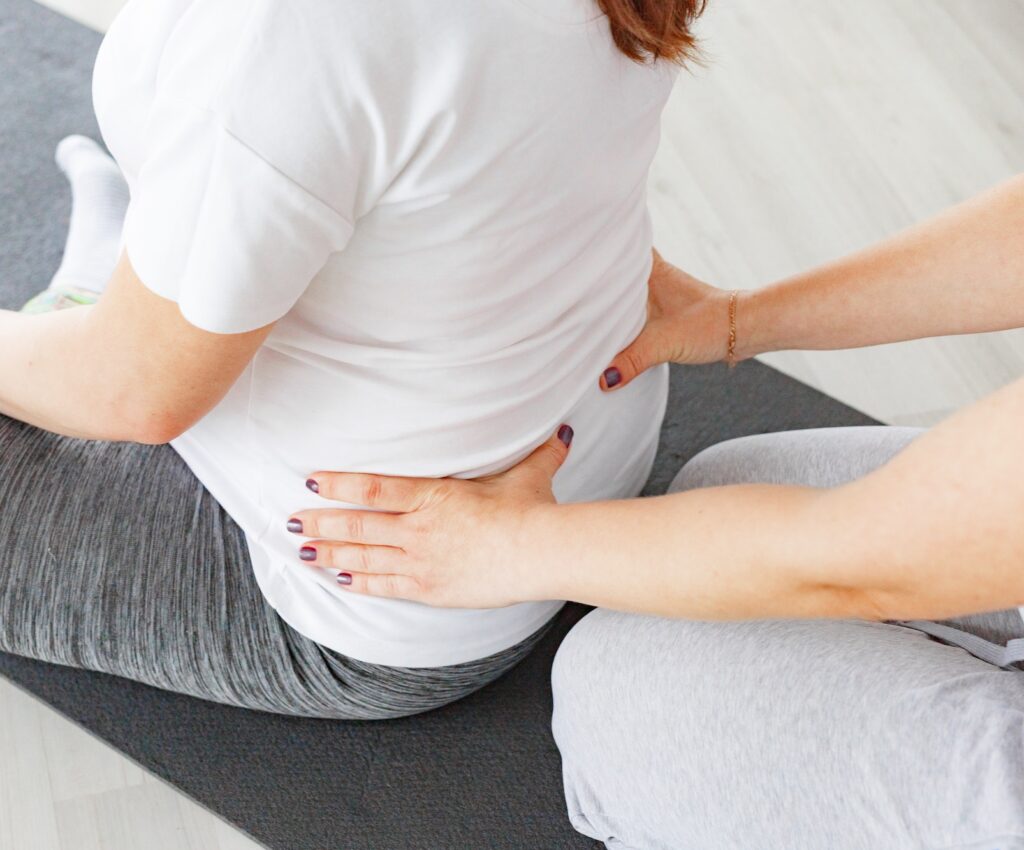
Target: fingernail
(307, 553)
(344, 578)
(295, 526)
(612, 377)
(312, 485)
(565, 434)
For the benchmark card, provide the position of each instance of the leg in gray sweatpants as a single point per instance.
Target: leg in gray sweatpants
(114, 557)
(789, 735)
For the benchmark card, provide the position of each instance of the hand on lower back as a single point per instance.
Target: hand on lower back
(687, 322)
(448, 543)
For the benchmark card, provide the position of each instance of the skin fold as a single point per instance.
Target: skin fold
(937, 532)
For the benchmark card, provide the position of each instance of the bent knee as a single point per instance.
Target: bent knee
(753, 459)
(816, 457)
(656, 719)
(582, 682)
(587, 674)
(592, 651)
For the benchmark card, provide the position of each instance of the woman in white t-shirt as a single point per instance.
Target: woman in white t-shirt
(392, 237)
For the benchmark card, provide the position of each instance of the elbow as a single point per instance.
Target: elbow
(148, 425)
(841, 602)
(155, 434)
(877, 605)
(132, 414)
(157, 428)
(905, 599)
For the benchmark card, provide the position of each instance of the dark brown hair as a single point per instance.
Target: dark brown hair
(648, 30)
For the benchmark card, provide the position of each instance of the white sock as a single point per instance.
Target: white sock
(99, 199)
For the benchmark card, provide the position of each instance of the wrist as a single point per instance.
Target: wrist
(536, 578)
(756, 323)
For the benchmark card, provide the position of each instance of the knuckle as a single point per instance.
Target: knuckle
(395, 586)
(420, 528)
(371, 490)
(384, 585)
(426, 586)
(364, 559)
(556, 449)
(443, 490)
(633, 361)
(354, 526)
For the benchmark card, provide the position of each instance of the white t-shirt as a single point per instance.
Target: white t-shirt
(443, 206)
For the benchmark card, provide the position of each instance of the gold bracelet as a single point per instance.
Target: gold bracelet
(730, 356)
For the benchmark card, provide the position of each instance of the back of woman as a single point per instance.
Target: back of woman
(442, 205)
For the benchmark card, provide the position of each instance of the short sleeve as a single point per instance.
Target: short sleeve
(217, 228)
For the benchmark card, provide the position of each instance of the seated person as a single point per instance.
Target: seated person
(395, 237)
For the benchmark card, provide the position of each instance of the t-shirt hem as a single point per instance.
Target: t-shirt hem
(402, 655)
(395, 653)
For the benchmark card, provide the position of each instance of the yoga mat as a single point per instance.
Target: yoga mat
(483, 773)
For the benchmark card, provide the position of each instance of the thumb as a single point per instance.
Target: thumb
(548, 458)
(637, 358)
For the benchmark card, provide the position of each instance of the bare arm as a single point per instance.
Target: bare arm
(960, 272)
(939, 531)
(128, 368)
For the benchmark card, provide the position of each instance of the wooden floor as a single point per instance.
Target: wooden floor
(818, 126)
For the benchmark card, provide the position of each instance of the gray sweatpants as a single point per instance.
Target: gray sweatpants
(789, 735)
(113, 557)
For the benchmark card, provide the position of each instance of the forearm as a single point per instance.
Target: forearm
(722, 553)
(934, 533)
(52, 376)
(960, 272)
(128, 368)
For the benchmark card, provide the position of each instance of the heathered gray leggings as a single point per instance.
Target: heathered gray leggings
(798, 735)
(113, 557)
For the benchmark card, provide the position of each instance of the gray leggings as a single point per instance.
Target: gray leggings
(113, 557)
(798, 735)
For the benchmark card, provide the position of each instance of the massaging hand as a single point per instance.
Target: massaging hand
(445, 542)
(687, 322)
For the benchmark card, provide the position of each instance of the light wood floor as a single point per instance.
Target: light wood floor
(819, 126)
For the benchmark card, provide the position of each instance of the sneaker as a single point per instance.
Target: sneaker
(60, 298)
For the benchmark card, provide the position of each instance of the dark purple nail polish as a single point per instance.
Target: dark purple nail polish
(344, 578)
(565, 434)
(312, 485)
(307, 553)
(612, 377)
(295, 526)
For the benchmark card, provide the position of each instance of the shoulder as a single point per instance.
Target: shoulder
(291, 80)
(220, 49)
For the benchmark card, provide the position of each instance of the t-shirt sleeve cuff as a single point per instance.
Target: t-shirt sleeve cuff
(224, 234)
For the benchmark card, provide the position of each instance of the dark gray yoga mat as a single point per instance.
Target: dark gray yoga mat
(483, 773)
